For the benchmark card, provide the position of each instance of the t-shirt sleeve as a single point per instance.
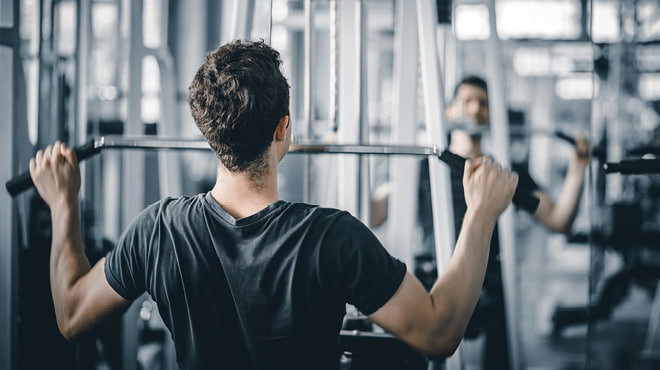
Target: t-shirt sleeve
(368, 273)
(125, 264)
(525, 181)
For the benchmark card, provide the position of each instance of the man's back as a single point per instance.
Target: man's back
(288, 270)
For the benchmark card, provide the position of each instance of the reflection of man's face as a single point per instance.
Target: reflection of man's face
(471, 103)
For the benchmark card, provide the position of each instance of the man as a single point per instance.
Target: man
(470, 109)
(242, 279)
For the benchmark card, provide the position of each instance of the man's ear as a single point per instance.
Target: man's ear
(280, 131)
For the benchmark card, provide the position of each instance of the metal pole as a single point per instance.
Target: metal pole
(82, 53)
(169, 165)
(8, 208)
(404, 171)
(434, 100)
(240, 26)
(132, 173)
(500, 137)
(363, 187)
(348, 125)
(308, 97)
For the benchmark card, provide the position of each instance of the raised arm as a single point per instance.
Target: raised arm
(435, 322)
(81, 295)
(558, 217)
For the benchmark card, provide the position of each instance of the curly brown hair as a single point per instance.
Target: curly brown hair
(237, 98)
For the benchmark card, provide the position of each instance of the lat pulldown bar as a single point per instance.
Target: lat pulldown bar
(522, 197)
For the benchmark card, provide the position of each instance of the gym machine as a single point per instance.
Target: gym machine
(522, 197)
(367, 348)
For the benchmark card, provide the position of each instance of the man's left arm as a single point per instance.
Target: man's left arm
(558, 217)
(81, 295)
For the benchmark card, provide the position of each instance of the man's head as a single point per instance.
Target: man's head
(470, 101)
(237, 98)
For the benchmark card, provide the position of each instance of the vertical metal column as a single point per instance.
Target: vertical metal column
(132, 173)
(434, 106)
(84, 30)
(334, 66)
(404, 175)
(500, 137)
(349, 109)
(308, 97)
(8, 209)
(241, 23)
(364, 190)
(169, 164)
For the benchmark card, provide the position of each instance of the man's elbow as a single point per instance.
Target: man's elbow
(66, 330)
(559, 227)
(69, 329)
(444, 346)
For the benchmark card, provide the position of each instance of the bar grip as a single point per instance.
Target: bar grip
(633, 166)
(522, 198)
(23, 181)
(565, 137)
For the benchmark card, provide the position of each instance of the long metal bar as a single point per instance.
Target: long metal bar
(522, 197)
(147, 142)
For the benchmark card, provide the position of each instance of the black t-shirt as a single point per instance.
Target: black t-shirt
(425, 214)
(290, 268)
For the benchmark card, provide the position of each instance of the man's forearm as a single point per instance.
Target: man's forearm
(566, 207)
(458, 287)
(67, 259)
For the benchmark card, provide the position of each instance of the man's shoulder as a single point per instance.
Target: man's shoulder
(168, 207)
(318, 211)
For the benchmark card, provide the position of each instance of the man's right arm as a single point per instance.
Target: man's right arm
(435, 322)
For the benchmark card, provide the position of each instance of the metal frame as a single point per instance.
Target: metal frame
(404, 171)
(349, 107)
(308, 93)
(434, 101)
(132, 167)
(8, 208)
(500, 137)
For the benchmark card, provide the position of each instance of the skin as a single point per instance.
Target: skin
(432, 322)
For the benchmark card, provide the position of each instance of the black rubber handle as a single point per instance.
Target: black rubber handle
(633, 166)
(565, 137)
(23, 181)
(522, 198)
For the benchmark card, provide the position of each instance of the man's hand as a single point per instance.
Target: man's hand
(56, 174)
(488, 187)
(582, 152)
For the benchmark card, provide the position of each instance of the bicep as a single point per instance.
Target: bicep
(97, 300)
(408, 314)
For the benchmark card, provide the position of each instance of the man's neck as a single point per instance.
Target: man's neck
(465, 145)
(242, 196)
